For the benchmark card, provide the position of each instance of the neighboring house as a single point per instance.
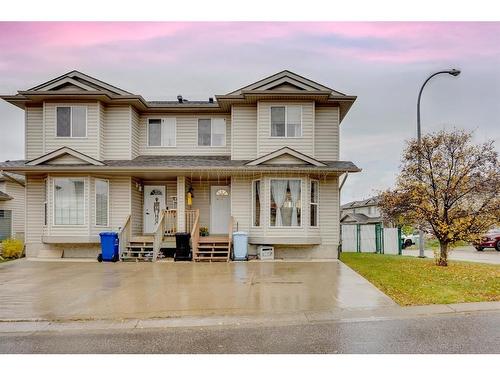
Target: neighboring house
(11, 206)
(361, 212)
(263, 159)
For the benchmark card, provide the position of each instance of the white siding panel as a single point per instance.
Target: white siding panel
(326, 135)
(241, 203)
(244, 128)
(117, 133)
(136, 133)
(329, 212)
(33, 132)
(136, 207)
(35, 197)
(267, 144)
(187, 137)
(89, 145)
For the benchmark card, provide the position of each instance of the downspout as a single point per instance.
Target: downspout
(339, 249)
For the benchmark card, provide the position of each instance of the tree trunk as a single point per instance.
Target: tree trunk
(442, 258)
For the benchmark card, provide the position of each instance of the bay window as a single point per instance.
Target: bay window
(314, 203)
(71, 121)
(256, 203)
(285, 203)
(69, 201)
(101, 202)
(212, 132)
(286, 121)
(162, 132)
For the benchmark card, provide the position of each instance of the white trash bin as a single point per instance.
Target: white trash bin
(240, 246)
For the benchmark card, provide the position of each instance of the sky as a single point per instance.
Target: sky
(384, 64)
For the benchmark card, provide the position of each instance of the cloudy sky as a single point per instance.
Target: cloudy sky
(384, 64)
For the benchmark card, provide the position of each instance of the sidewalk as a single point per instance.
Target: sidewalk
(337, 315)
(466, 254)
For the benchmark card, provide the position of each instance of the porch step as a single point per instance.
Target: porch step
(213, 249)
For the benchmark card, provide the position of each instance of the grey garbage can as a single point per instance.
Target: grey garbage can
(240, 246)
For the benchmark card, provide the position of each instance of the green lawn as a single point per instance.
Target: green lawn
(414, 281)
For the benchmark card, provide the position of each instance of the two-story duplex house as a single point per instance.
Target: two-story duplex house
(263, 159)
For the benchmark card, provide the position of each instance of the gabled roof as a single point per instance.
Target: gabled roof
(14, 177)
(4, 196)
(360, 219)
(66, 151)
(287, 151)
(79, 80)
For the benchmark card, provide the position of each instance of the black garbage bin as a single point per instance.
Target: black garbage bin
(182, 247)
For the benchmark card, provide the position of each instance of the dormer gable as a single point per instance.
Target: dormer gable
(286, 156)
(65, 156)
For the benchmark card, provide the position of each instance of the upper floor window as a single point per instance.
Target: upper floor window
(212, 132)
(71, 121)
(286, 121)
(162, 132)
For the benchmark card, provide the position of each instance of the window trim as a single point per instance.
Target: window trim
(286, 121)
(46, 204)
(253, 205)
(316, 203)
(161, 138)
(211, 132)
(301, 203)
(95, 203)
(71, 121)
(84, 224)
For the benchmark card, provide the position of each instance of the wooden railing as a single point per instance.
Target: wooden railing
(159, 232)
(124, 235)
(190, 218)
(170, 227)
(195, 231)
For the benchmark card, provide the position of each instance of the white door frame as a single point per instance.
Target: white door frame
(212, 189)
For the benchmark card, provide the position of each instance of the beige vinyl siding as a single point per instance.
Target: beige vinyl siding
(136, 133)
(187, 136)
(102, 122)
(241, 203)
(89, 145)
(117, 133)
(66, 159)
(244, 132)
(16, 205)
(136, 207)
(329, 212)
(267, 144)
(33, 132)
(326, 135)
(35, 197)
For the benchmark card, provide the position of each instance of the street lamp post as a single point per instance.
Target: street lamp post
(453, 72)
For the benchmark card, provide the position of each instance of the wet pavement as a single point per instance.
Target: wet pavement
(459, 333)
(465, 253)
(62, 290)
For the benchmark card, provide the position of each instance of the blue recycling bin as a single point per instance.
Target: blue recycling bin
(109, 247)
(240, 246)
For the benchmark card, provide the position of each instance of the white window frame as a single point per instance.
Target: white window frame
(301, 203)
(286, 121)
(53, 183)
(161, 137)
(316, 203)
(95, 203)
(253, 202)
(71, 121)
(211, 131)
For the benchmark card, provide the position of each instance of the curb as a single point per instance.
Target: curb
(311, 317)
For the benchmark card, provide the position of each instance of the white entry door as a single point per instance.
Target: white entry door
(154, 202)
(220, 209)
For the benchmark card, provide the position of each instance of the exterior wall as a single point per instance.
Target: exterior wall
(187, 136)
(35, 197)
(326, 133)
(117, 133)
(89, 145)
(16, 205)
(136, 198)
(244, 132)
(33, 132)
(328, 230)
(135, 133)
(267, 144)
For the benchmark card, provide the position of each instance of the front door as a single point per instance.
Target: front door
(220, 209)
(154, 202)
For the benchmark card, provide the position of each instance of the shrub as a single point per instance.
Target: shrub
(12, 248)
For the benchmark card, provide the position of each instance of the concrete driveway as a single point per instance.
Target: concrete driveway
(62, 290)
(466, 253)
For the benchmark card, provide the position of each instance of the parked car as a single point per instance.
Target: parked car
(490, 239)
(409, 239)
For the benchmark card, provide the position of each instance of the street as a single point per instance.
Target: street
(457, 333)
